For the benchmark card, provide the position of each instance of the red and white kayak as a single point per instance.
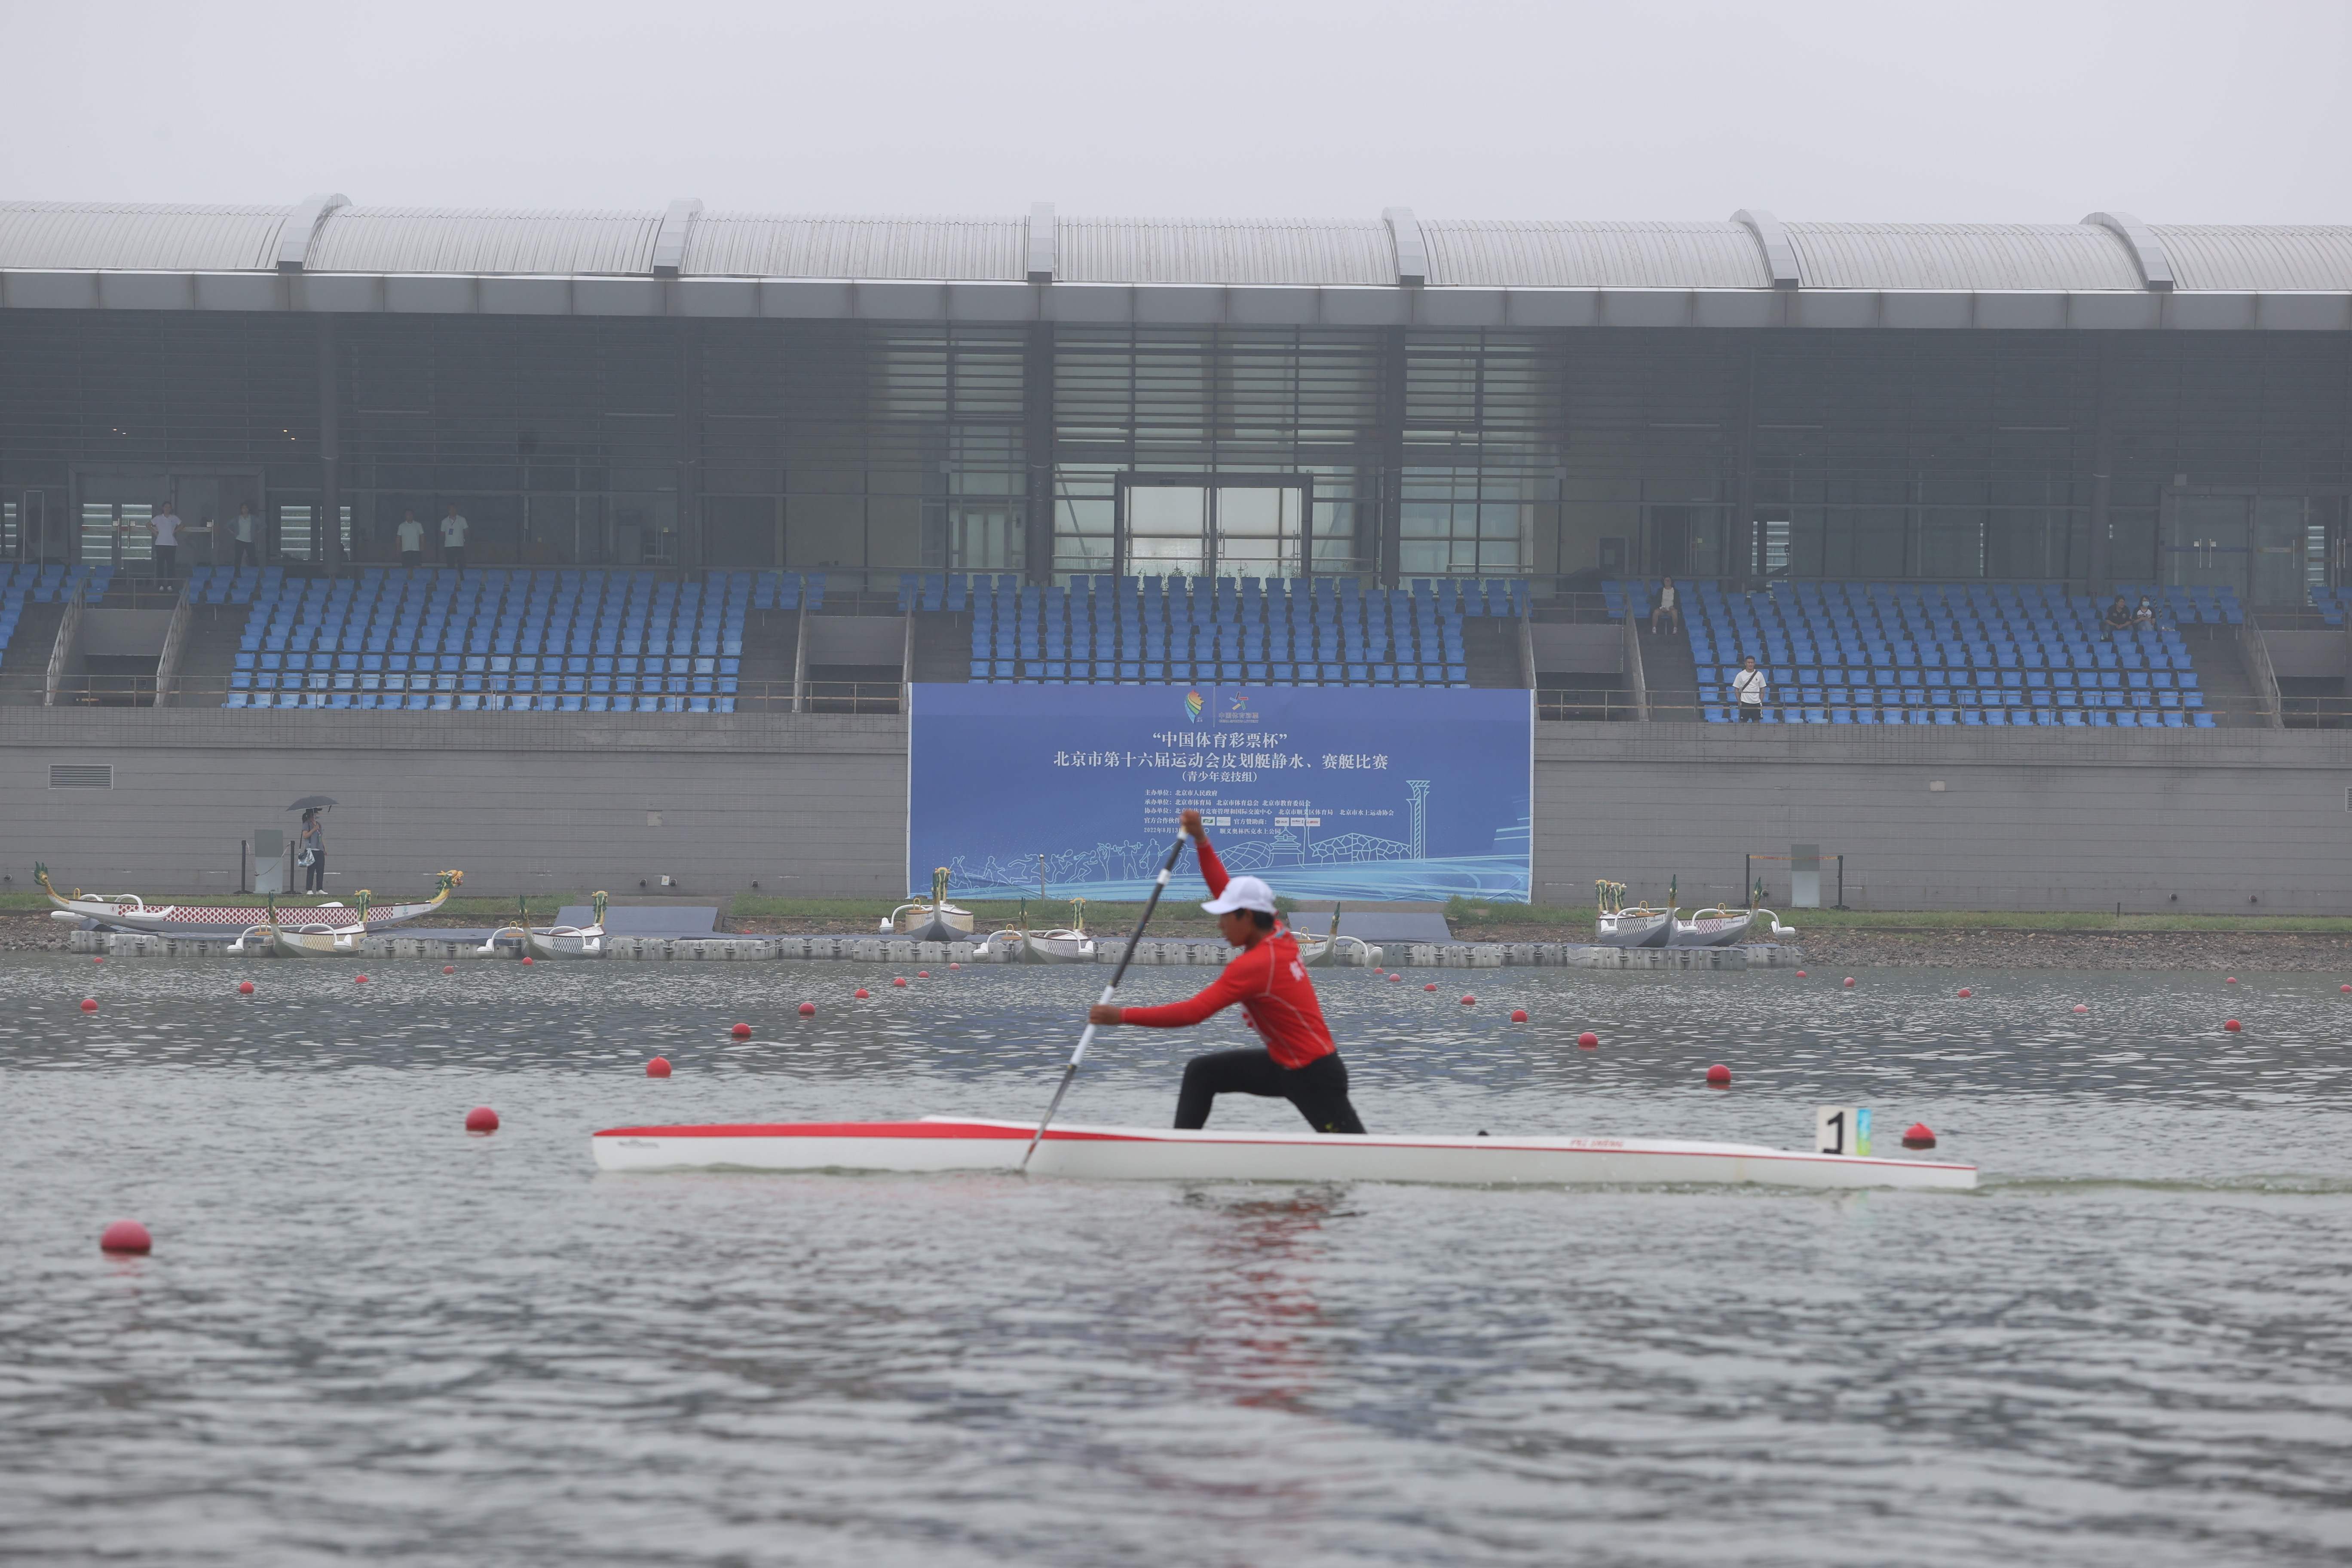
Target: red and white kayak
(944, 1143)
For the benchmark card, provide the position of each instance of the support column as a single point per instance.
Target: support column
(327, 530)
(2101, 476)
(1392, 450)
(1037, 451)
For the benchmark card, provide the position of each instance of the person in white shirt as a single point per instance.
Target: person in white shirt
(411, 534)
(1748, 686)
(453, 537)
(165, 526)
(241, 531)
(1665, 609)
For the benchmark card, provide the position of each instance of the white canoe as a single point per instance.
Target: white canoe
(944, 1143)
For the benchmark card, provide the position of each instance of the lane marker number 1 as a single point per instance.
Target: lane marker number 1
(1841, 1130)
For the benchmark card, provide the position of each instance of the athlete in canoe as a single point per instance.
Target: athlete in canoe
(1298, 1062)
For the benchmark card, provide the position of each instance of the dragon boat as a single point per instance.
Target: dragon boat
(553, 941)
(130, 913)
(935, 921)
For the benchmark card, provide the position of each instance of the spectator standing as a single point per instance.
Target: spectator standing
(164, 524)
(1665, 610)
(311, 852)
(1748, 688)
(411, 534)
(453, 537)
(241, 531)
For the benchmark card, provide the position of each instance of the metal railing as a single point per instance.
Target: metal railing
(2256, 654)
(1637, 680)
(63, 651)
(176, 642)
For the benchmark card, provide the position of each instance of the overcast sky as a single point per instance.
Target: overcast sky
(1964, 109)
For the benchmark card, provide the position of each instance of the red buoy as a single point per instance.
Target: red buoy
(1800, 975)
(897, 980)
(98, 960)
(1588, 1041)
(1847, 981)
(358, 979)
(955, 966)
(1919, 1137)
(808, 1009)
(1401, 977)
(2343, 988)
(1518, 1015)
(741, 1031)
(481, 1118)
(89, 1003)
(922, 974)
(657, 1068)
(2080, 1008)
(1469, 1000)
(2233, 1025)
(2229, 980)
(126, 1236)
(1430, 986)
(448, 968)
(528, 959)
(1965, 992)
(1719, 1076)
(245, 987)
(862, 994)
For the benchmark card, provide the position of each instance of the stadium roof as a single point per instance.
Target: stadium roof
(324, 254)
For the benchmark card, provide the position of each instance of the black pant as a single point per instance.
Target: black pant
(167, 561)
(1752, 713)
(1319, 1089)
(453, 557)
(316, 882)
(412, 557)
(245, 553)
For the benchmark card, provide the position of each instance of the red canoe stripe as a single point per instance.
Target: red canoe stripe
(861, 1129)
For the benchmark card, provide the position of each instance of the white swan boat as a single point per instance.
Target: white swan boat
(522, 938)
(936, 921)
(130, 913)
(938, 1145)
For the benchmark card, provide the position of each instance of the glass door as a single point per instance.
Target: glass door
(2279, 546)
(1241, 527)
(2207, 543)
(1167, 530)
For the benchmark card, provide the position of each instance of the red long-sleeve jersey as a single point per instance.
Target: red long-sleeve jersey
(1267, 980)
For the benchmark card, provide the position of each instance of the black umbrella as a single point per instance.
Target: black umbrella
(309, 801)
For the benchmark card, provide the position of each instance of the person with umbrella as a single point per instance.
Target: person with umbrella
(311, 846)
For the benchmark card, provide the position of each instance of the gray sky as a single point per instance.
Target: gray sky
(1963, 110)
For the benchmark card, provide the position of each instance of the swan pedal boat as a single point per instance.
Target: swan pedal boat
(938, 1145)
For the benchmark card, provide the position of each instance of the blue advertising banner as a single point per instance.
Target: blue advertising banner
(1353, 793)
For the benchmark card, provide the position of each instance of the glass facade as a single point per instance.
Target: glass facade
(872, 449)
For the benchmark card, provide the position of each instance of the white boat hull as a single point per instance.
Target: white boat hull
(565, 942)
(942, 1144)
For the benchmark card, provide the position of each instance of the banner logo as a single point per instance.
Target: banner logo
(1193, 704)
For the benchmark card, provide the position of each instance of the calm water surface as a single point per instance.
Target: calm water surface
(365, 1336)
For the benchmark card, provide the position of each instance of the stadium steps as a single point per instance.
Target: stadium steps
(209, 655)
(942, 647)
(1670, 673)
(1492, 643)
(771, 639)
(2221, 667)
(25, 665)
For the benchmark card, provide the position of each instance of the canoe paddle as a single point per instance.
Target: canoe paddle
(1117, 974)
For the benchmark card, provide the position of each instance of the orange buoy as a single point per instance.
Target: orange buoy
(1965, 992)
(1518, 1015)
(1588, 1041)
(245, 987)
(657, 1068)
(1919, 1136)
(125, 1235)
(89, 1003)
(2233, 1025)
(808, 1009)
(481, 1118)
(741, 1031)
(1719, 1076)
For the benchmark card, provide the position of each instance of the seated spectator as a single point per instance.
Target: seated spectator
(2146, 615)
(1665, 610)
(1748, 686)
(2118, 618)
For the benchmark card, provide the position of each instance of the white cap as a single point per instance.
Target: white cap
(1243, 893)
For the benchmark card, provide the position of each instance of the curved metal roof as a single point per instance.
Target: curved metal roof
(954, 249)
(1968, 256)
(1226, 250)
(139, 236)
(1540, 255)
(2230, 256)
(436, 239)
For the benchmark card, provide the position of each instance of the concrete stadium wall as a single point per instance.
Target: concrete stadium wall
(814, 806)
(2206, 821)
(805, 804)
